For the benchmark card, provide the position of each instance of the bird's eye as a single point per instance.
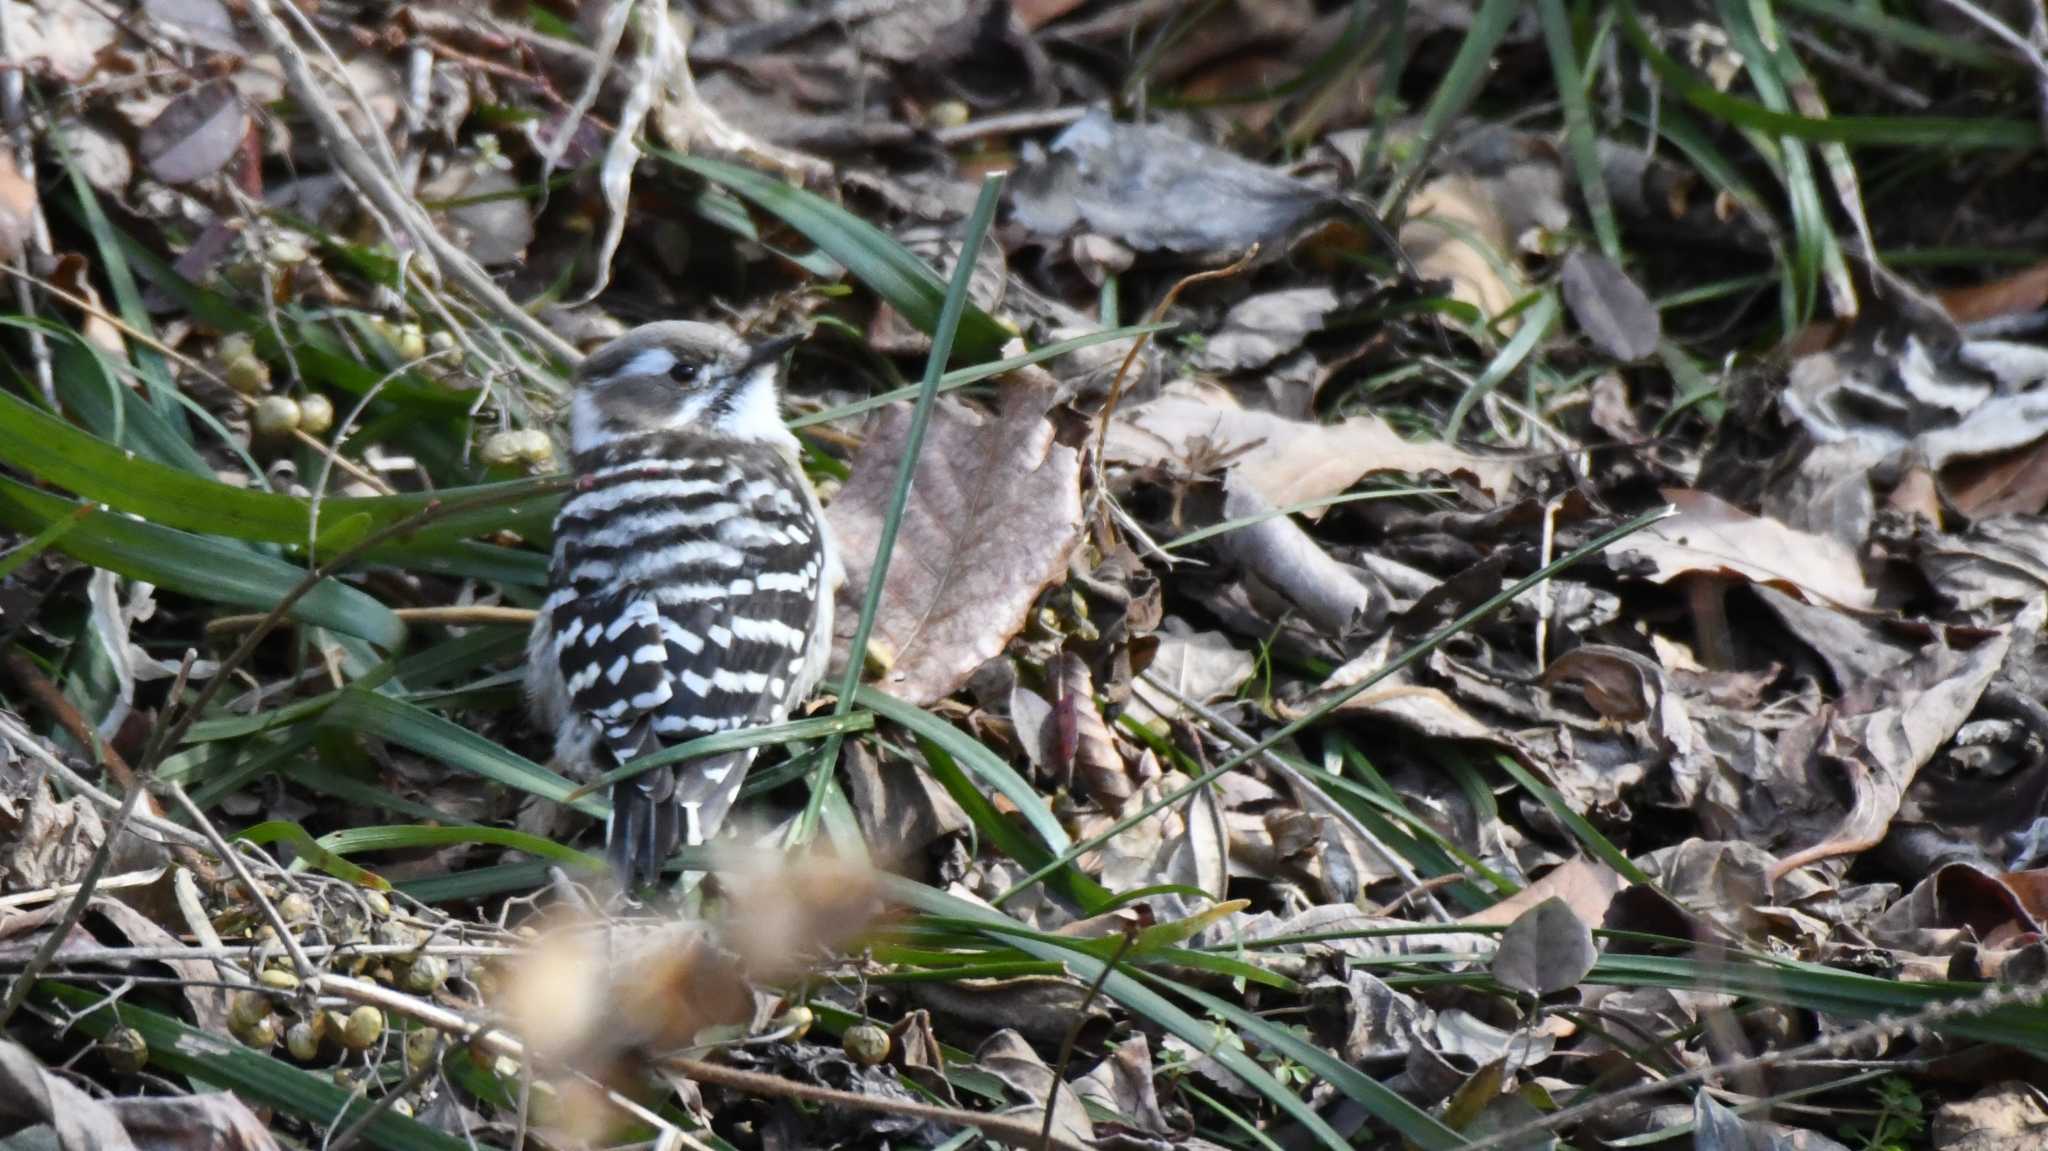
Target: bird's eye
(682, 372)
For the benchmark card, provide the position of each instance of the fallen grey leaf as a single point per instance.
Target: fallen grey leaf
(1547, 949)
(1289, 561)
(1152, 189)
(1716, 1127)
(1609, 306)
(1458, 1032)
(1263, 328)
(196, 134)
(203, 22)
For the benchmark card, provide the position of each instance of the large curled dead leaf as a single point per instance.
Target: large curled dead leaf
(994, 509)
(1285, 461)
(1710, 536)
(31, 1097)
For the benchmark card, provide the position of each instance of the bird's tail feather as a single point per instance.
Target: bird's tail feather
(659, 811)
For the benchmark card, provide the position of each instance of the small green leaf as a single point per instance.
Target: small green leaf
(312, 853)
(202, 568)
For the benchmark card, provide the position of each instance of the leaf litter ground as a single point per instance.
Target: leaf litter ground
(1472, 577)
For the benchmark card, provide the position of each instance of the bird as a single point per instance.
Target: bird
(691, 583)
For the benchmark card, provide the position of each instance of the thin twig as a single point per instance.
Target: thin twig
(26, 742)
(451, 615)
(249, 952)
(17, 991)
(1018, 1131)
(301, 965)
(1116, 386)
(355, 162)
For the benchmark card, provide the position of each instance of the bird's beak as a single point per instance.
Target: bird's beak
(770, 351)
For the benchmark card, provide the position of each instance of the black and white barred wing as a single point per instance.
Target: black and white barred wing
(683, 609)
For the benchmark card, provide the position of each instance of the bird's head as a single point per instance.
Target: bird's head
(674, 376)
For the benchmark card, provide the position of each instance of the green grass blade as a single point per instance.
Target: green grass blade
(37, 544)
(202, 568)
(1462, 81)
(1869, 19)
(1536, 324)
(312, 853)
(428, 734)
(1587, 834)
(872, 255)
(740, 740)
(411, 836)
(1876, 131)
(149, 363)
(1133, 995)
(999, 831)
(979, 761)
(1581, 137)
(1419, 1127)
(478, 882)
(952, 310)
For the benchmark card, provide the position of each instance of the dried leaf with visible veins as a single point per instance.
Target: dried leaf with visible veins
(1285, 461)
(994, 509)
(1713, 537)
(1087, 751)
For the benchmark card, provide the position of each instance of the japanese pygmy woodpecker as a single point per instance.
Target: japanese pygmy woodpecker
(692, 581)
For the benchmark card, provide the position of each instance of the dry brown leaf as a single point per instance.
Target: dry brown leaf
(1397, 699)
(1710, 536)
(1086, 756)
(1454, 232)
(1009, 1058)
(1286, 461)
(1203, 666)
(994, 509)
(17, 210)
(33, 1097)
(1586, 885)
(2007, 1117)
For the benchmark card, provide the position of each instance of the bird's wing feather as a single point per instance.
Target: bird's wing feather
(654, 665)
